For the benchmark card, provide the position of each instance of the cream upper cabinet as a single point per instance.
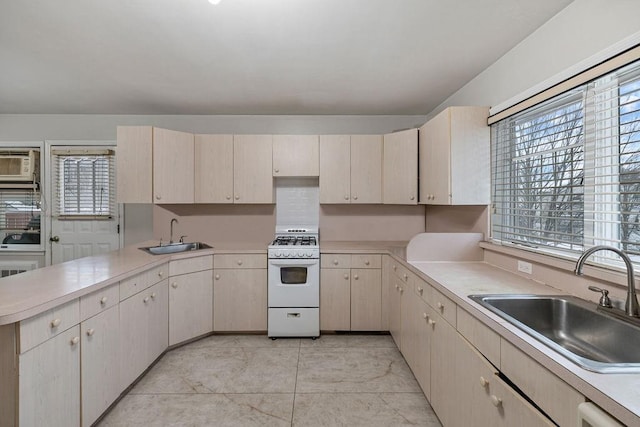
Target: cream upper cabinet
(454, 163)
(252, 166)
(400, 168)
(134, 164)
(351, 169)
(296, 155)
(213, 169)
(173, 166)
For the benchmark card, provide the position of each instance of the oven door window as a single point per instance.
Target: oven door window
(293, 275)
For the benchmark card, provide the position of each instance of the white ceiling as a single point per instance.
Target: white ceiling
(252, 56)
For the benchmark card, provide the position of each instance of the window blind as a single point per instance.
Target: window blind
(84, 183)
(566, 173)
(20, 217)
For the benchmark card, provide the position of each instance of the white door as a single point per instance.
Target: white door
(84, 215)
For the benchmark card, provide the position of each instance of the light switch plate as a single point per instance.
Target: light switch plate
(525, 267)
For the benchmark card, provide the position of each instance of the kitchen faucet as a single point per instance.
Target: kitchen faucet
(631, 305)
(171, 230)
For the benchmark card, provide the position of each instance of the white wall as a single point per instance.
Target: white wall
(578, 32)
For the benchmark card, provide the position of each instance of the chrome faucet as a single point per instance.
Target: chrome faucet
(631, 305)
(171, 229)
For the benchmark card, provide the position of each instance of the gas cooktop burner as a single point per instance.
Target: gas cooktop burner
(295, 241)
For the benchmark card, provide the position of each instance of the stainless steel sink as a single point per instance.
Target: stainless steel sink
(173, 248)
(572, 327)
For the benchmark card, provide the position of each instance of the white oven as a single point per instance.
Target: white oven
(294, 282)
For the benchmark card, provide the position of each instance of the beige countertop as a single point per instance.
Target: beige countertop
(618, 394)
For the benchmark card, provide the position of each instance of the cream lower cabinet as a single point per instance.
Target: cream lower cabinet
(335, 299)
(49, 382)
(366, 299)
(240, 293)
(143, 330)
(100, 361)
(190, 298)
(417, 332)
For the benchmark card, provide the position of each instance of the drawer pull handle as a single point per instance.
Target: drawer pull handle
(420, 290)
(75, 340)
(401, 290)
(440, 306)
(346, 276)
(367, 262)
(153, 295)
(160, 273)
(293, 314)
(497, 402)
(217, 277)
(397, 287)
(145, 300)
(55, 323)
(355, 276)
(425, 316)
(174, 285)
(239, 262)
(484, 382)
(431, 322)
(335, 262)
(103, 300)
(405, 276)
(90, 332)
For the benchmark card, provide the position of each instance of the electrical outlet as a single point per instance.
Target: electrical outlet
(525, 267)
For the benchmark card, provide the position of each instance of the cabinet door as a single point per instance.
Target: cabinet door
(366, 169)
(400, 168)
(213, 169)
(158, 319)
(240, 300)
(422, 320)
(134, 329)
(173, 165)
(295, 155)
(435, 160)
(395, 298)
(335, 169)
(134, 164)
(49, 382)
(366, 299)
(252, 176)
(100, 361)
(443, 369)
(190, 306)
(335, 310)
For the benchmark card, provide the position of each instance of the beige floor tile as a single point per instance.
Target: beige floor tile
(357, 369)
(222, 370)
(363, 409)
(243, 410)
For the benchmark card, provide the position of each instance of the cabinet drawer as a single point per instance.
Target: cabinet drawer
(480, 335)
(366, 261)
(37, 329)
(335, 261)
(444, 306)
(423, 290)
(240, 261)
(141, 281)
(190, 265)
(402, 273)
(550, 393)
(98, 301)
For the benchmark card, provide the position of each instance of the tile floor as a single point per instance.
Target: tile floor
(250, 380)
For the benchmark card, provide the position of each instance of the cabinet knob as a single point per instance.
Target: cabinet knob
(74, 341)
(276, 170)
(440, 306)
(401, 290)
(217, 277)
(145, 300)
(335, 262)
(90, 332)
(237, 197)
(397, 287)
(484, 382)
(239, 262)
(412, 197)
(425, 316)
(394, 267)
(420, 290)
(405, 276)
(346, 276)
(497, 402)
(158, 197)
(346, 197)
(355, 276)
(367, 262)
(355, 197)
(431, 322)
(103, 300)
(174, 285)
(153, 295)
(228, 197)
(55, 323)
(160, 273)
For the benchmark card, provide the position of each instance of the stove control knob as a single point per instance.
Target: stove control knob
(300, 254)
(277, 254)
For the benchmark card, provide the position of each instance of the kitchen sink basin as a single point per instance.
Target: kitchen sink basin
(173, 248)
(574, 328)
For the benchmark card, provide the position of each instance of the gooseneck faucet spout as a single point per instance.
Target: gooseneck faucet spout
(631, 305)
(173, 220)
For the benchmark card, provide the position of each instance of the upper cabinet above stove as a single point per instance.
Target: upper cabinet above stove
(295, 155)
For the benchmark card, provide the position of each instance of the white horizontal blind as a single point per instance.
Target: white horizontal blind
(20, 217)
(85, 184)
(566, 173)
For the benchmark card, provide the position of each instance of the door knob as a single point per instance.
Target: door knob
(55, 239)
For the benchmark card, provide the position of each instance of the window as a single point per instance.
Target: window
(566, 173)
(85, 183)
(20, 218)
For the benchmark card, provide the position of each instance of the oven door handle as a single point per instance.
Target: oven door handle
(293, 262)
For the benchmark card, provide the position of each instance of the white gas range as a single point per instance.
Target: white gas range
(294, 263)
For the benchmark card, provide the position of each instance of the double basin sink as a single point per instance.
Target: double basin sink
(572, 327)
(173, 248)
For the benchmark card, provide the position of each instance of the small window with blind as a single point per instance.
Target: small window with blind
(84, 184)
(566, 173)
